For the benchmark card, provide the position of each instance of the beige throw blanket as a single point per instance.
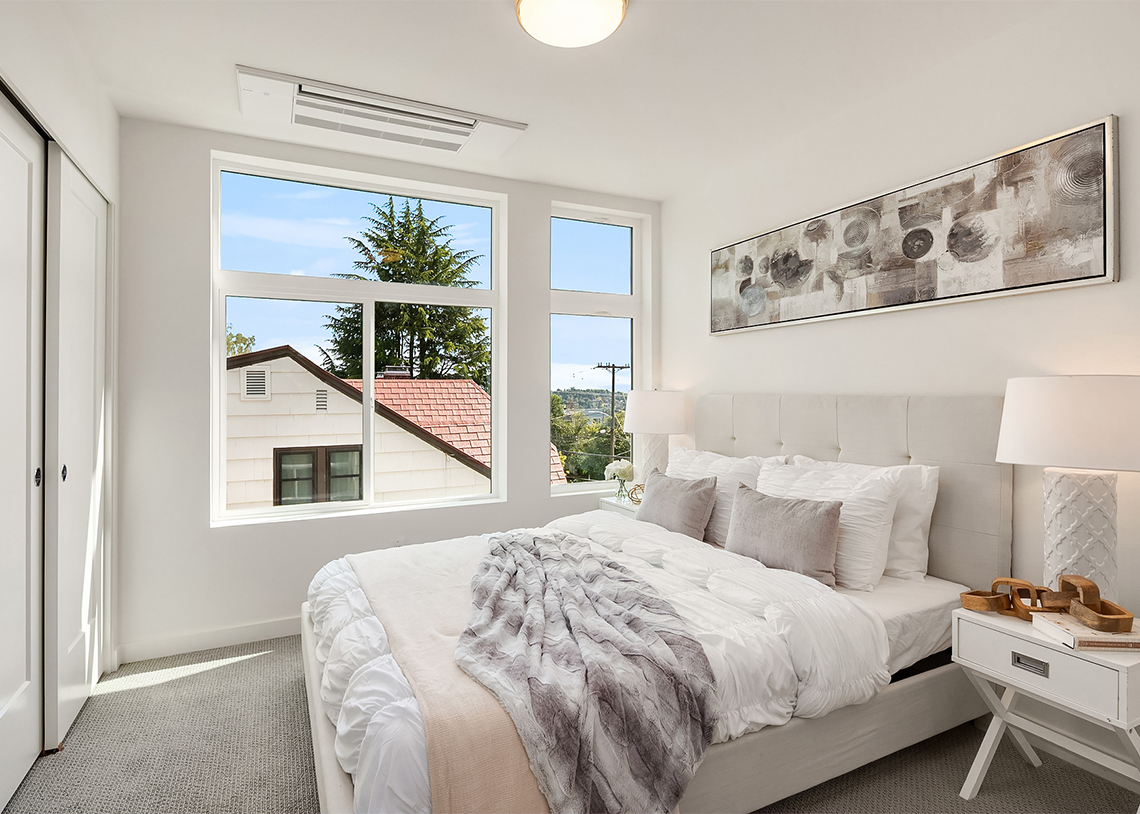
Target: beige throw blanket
(422, 596)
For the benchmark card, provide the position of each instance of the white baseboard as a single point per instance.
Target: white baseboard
(205, 639)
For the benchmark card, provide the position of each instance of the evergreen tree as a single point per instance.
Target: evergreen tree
(403, 245)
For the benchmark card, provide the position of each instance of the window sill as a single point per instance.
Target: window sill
(597, 487)
(277, 515)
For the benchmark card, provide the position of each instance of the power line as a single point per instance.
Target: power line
(613, 368)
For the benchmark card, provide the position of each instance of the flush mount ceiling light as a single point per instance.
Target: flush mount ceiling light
(570, 23)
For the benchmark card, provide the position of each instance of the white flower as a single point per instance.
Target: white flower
(621, 469)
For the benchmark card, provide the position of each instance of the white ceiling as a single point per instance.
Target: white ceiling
(685, 90)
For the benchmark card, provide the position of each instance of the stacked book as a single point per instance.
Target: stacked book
(1068, 631)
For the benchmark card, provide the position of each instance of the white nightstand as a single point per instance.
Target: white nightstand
(1051, 692)
(612, 504)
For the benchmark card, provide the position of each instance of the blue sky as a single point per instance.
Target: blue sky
(588, 256)
(287, 227)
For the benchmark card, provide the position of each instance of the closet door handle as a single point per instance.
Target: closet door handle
(39, 476)
(63, 472)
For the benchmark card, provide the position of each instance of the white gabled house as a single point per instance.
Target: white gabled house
(293, 434)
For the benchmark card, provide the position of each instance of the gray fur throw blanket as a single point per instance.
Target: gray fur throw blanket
(613, 698)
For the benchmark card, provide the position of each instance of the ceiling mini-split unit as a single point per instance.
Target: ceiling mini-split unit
(290, 100)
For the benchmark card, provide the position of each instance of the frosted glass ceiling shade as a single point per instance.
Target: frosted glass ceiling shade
(655, 412)
(570, 23)
(1074, 422)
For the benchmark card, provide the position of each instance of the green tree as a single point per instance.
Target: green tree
(597, 447)
(584, 444)
(403, 245)
(237, 344)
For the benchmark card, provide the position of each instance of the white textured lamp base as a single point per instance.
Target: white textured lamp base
(656, 447)
(1080, 527)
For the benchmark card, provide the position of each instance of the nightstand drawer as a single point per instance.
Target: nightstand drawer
(1036, 667)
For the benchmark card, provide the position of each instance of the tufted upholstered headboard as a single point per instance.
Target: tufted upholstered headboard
(971, 533)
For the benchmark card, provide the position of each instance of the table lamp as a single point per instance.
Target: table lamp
(656, 414)
(1083, 430)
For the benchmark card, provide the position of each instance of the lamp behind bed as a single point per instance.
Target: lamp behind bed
(656, 414)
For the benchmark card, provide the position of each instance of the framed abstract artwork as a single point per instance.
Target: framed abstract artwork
(1042, 216)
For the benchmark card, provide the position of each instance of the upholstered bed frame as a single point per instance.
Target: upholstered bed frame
(970, 543)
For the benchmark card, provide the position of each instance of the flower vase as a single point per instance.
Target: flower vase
(622, 492)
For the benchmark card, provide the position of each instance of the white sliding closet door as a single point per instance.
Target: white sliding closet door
(74, 416)
(22, 165)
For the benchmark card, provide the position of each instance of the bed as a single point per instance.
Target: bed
(970, 540)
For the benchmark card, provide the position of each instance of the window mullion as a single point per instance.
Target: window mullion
(321, 475)
(590, 304)
(331, 289)
(367, 402)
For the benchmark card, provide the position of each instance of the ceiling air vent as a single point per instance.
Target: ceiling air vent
(255, 384)
(291, 100)
(322, 401)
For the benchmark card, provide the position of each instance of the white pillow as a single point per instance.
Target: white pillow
(864, 520)
(730, 473)
(909, 549)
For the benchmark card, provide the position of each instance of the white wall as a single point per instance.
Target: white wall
(43, 64)
(184, 584)
(1064, 66)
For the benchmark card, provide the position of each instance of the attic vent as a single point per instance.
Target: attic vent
(255, 384)
(322, 401)
(286, 99)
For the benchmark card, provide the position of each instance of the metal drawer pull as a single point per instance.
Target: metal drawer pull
(1035, 666)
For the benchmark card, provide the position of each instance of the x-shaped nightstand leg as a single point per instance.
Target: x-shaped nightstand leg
(1131, 742)
(999, 708)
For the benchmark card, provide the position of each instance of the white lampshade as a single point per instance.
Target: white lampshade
(570, 23)
(655, 412)
(1073, 422)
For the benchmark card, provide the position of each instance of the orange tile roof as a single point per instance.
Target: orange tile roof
(457, 411)
(557, 473)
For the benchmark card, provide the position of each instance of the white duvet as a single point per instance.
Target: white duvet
(780, 645)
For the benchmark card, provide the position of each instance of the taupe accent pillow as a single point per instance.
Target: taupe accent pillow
(783, 532)
(678, 504)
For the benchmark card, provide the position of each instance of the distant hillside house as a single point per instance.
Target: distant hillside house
(293, 435)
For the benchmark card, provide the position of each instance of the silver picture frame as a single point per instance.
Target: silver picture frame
(1042, 216)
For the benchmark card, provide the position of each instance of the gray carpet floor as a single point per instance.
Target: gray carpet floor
(227, 730)
(223, 730)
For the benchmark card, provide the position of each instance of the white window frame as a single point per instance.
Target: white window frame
(230, 283)
(635, 306)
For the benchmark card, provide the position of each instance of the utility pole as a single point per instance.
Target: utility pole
(613, 368)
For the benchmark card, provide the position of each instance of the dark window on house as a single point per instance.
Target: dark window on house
(316, 474)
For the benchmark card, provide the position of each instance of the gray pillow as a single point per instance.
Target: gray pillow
(678, 504)
(782, 532)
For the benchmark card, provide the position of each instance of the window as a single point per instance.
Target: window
(594, 323)
(316, 474)
(279, 347)
(355, 341)
(591, 360)
(304, 229)
(589, 256)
